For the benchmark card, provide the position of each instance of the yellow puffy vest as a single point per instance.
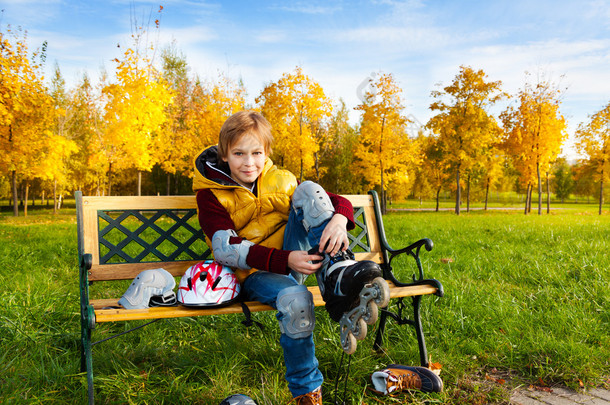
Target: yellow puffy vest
(261, 218)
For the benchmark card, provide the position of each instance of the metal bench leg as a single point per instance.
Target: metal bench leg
(421, 340)
(380, 331)
(86, 358)
(87, 322)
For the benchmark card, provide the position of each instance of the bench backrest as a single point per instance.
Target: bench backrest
(126, 235)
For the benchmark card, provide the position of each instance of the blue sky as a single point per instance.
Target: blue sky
(342, 43)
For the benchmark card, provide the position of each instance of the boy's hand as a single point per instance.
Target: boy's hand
(299, 261)
(334, 237)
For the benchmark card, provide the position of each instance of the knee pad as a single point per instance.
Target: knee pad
(297, 315)
(227, 254)
(314, 202)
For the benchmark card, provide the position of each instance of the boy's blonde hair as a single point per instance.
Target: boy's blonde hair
(240, 124)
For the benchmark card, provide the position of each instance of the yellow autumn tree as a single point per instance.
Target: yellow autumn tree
(26, 111)
(534, 132)
(173, 144)
(213, 102)
(384, 151)
(297, 109)
(55, 161)
(493, 165)
(134, 111)
(88, 164)
(593, 142)
(337, 154)
(435, 167)
(466, 130)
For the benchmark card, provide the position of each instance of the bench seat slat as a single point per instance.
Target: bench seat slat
(123, 271)
(120, 314)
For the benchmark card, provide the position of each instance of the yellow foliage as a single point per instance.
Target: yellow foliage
(194, 121)
(593, 141)
(26, 109)
(466, 131)
(134, 113)
(296, 107)
(384, 153)
(534, 130)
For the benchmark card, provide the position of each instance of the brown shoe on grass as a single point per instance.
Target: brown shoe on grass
(398, 378)
(311, 398)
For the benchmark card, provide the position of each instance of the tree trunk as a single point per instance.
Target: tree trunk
(14, 181)
(527, 196)
(55, 197)
(601, 193)
(457, 191)
(25, 198)
(168, 182)
(486, 193)
(110, 179)
(539, 189)
(529, 200)
(438, 196)
(139, 183)
(548, 195)
(468, 193)
(317, 166)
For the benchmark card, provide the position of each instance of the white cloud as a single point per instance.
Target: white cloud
(307, 8)
(270, 36)
(187, 36)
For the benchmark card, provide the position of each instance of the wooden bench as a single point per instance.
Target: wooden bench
(118, 237)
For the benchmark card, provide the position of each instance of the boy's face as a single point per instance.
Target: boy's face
(246, 159)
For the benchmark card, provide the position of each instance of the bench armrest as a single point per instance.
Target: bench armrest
(412, 250)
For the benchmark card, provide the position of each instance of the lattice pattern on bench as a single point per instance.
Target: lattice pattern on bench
(359, 238)
(139, 236)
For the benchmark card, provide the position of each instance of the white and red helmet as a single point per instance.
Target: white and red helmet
(208, 284)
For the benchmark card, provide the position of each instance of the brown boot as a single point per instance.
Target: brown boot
(311, 398)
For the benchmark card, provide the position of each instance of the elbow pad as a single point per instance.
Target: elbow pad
(228, 254)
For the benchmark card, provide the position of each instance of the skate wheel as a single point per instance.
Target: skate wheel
(360, 331)
(372, 313)
(350, 343)
(384, 292)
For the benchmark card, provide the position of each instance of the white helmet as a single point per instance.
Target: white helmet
(208, 284)
(150, 288)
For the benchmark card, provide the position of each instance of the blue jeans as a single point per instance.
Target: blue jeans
(302, 373)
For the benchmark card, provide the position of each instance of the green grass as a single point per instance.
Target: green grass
(525, 296)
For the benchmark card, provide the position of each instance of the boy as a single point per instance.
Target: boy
(259, 221)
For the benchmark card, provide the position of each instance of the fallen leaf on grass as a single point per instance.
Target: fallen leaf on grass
(500, 381)
(539, 388)
(434, 367)
(446, 260)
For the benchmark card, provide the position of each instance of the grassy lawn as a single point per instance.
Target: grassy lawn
(526, 301)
